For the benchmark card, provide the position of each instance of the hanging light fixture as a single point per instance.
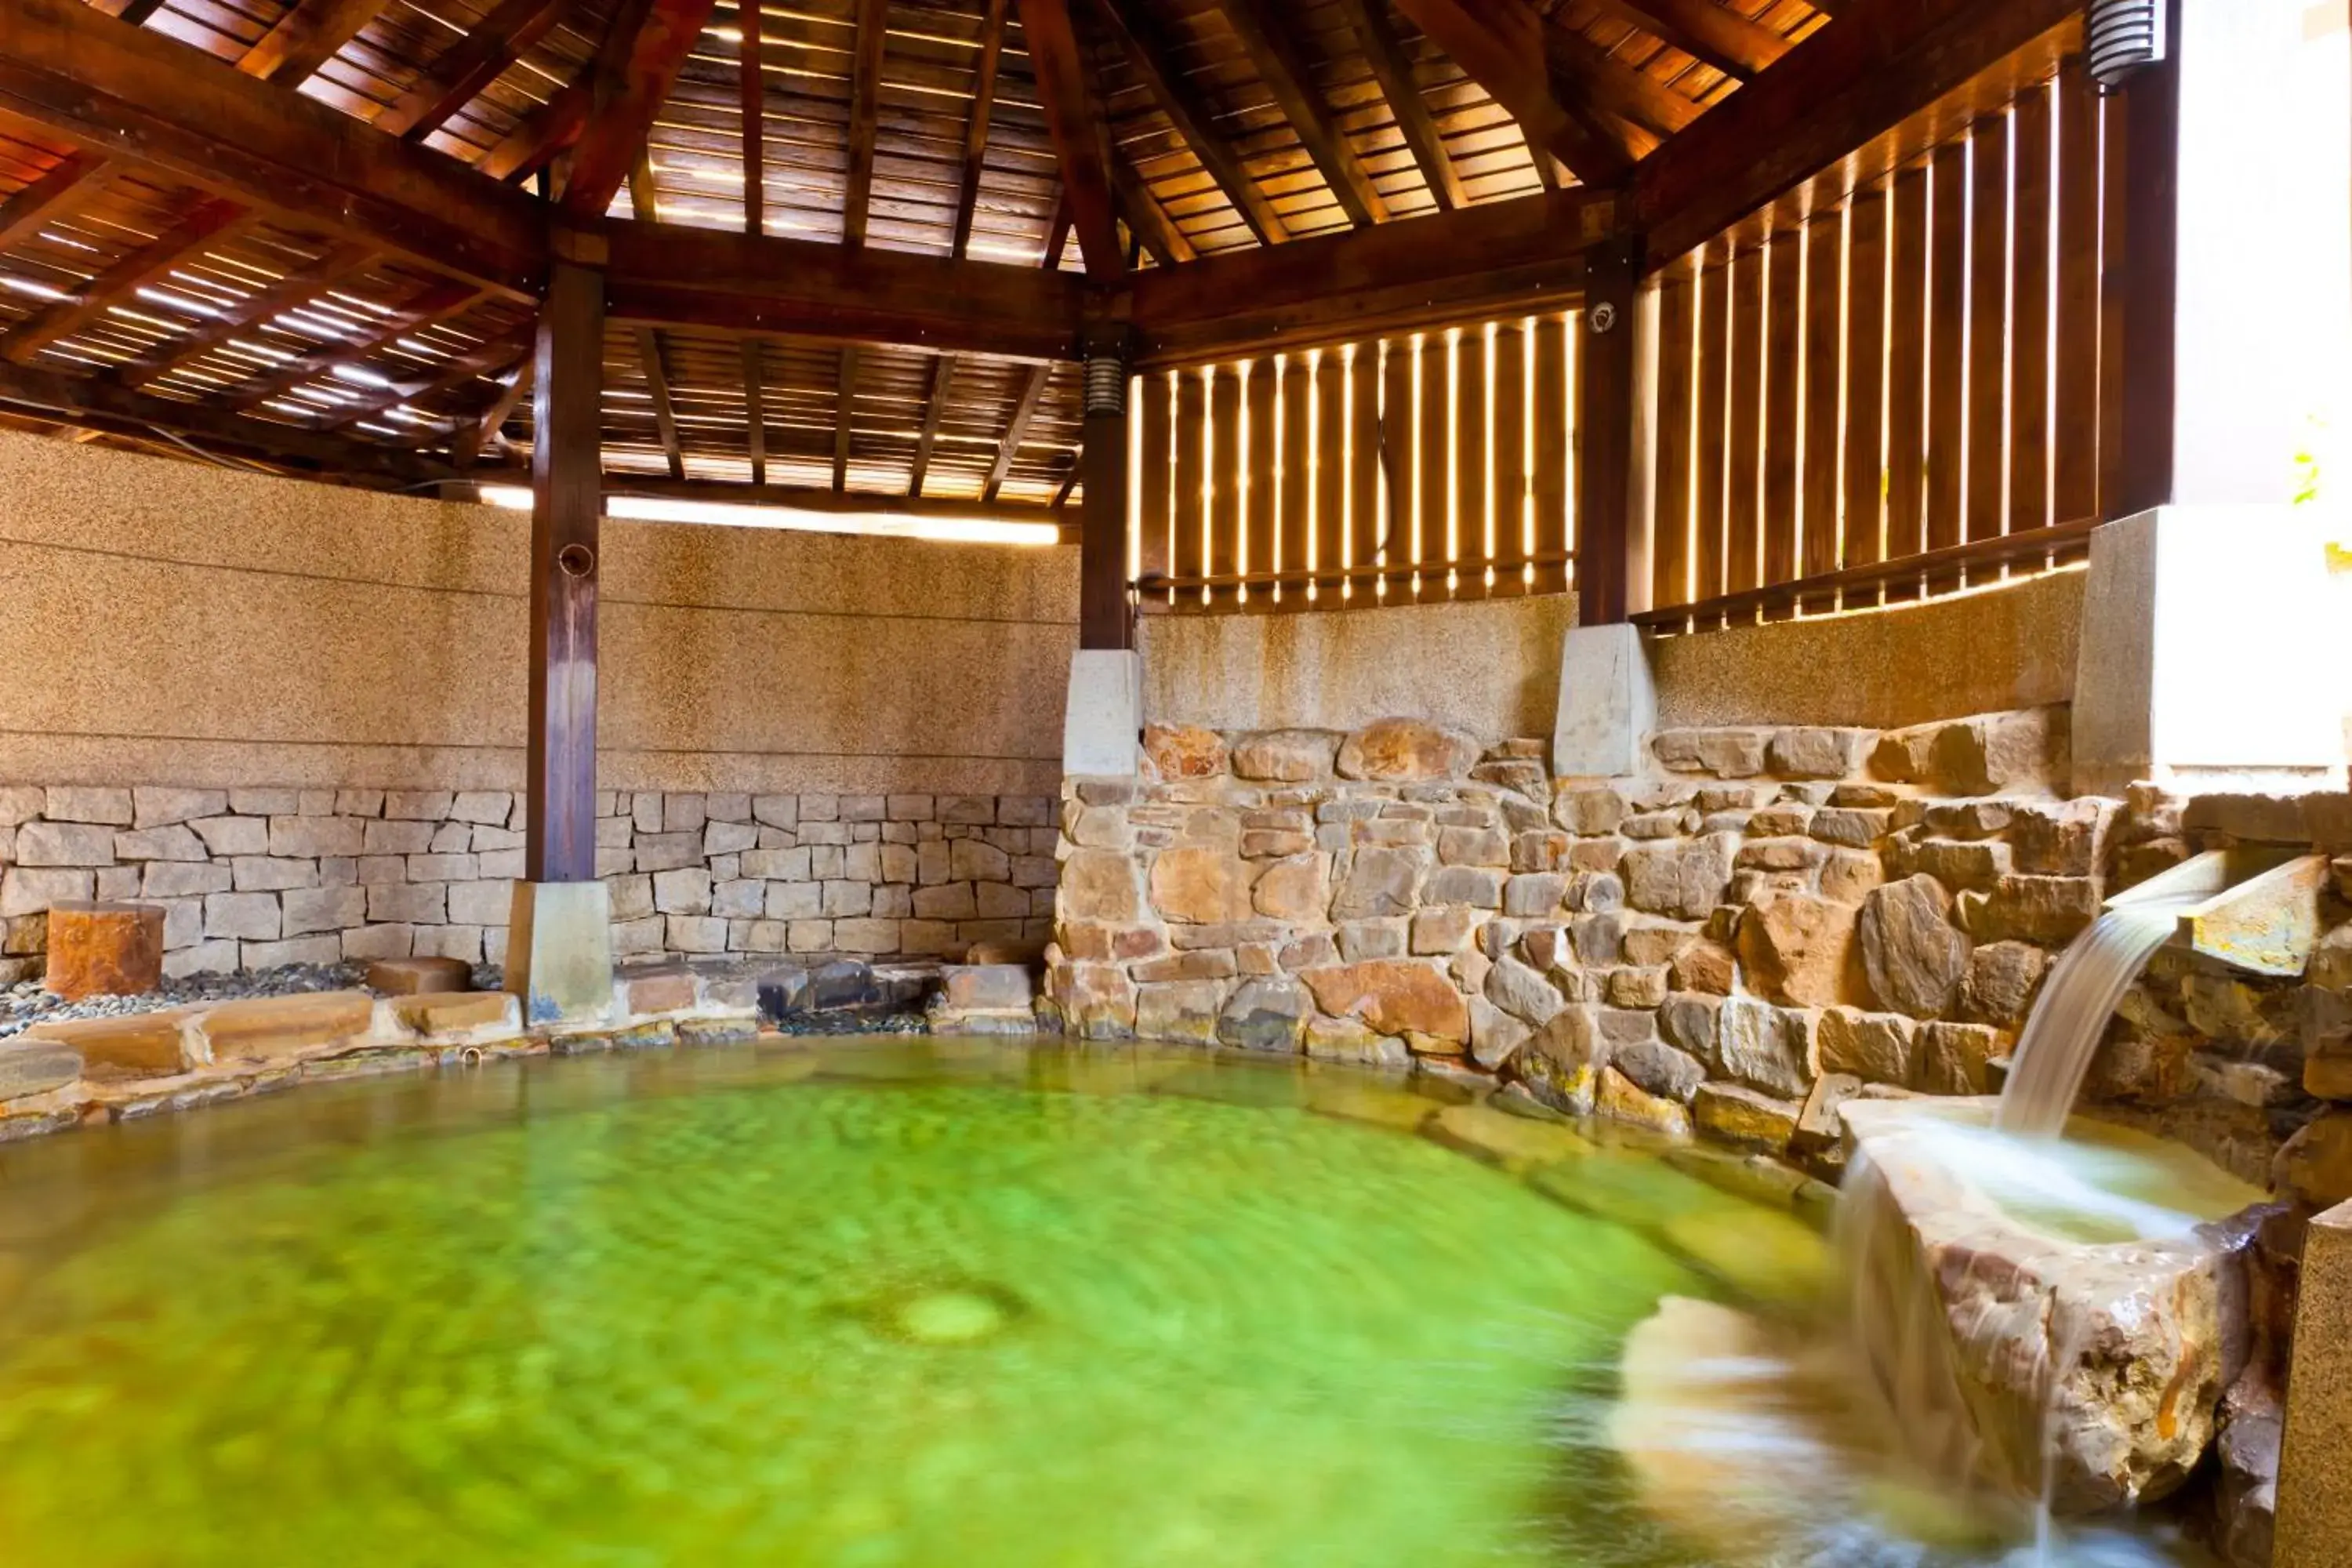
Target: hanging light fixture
(2122, 37)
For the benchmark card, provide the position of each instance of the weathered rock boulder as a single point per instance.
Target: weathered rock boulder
(1200, 884)
(1914, 956)
(1183, 751)
(1266, 1013)
(1381, 880)
(1683, 878)
(1285, 756)
(2120, 1351)
(1799, 948)
(1405, 750)
(1411, 998)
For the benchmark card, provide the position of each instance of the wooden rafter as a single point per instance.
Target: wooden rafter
(1877, 62)
(1712, 34)
(484, 432)
(1080, 140)
(755, 409)
(545, 133)
(975, 134)
(1583, 71)
(1283, 66)
(1194, 118)
(102, 403)
(632, 76)
(471, 64)
(305, 37)
(935, 408)
(134, 12)
(751, 79)
(1502, 44)
(672, 275)
(75, 179)
(486, 358)
(1024, 412)
(649, 355)
(210, 222)
(201, 123)
(1147, 219)
(295, 289)
(865, 118)
(1393, 68)
(434, 301)
(844, 409)
(1057, 234)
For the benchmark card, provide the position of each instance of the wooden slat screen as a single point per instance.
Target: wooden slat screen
(1912, 374)
(1426, 466)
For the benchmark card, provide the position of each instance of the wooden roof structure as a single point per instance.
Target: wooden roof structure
(852, 247)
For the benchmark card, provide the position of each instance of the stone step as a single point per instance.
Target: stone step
(30, 1067)
(845, 985)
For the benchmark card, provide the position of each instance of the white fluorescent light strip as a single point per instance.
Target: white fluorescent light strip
(725, 514)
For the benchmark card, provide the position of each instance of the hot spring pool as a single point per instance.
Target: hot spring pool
(909, 1302)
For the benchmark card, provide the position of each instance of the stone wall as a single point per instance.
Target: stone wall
(1768, 921)
(253, 878)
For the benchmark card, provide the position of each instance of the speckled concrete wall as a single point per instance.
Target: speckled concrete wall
(172, 622)
(1977, 652)
(1489, 668)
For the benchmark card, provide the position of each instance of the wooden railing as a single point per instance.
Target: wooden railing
(1900, 395)
(1429, 467)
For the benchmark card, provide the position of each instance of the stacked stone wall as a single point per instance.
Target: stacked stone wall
(1768, 921)
(256, 878)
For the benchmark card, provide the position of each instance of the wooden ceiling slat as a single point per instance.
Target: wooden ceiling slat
(486, 358)
(1616, 88)
(1502, 44)
(639, 63)
(1080, 140)
(865, 115)
(211, 222)
(1193, 118)
(470, 66)
(751, 105)
(434, 301)
(1721, 37)
(289, 291)
(79, 178)
(1283, 66)
(1384, 51)
(975, 142)
(307, 37)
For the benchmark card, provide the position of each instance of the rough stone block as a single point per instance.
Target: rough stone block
(247, 917)
(425, 904)
(30, 1067)
(1953, 1058)
(309, 836)
(104, 949)
(1871, 1047)
(302, 950)
(307, 910)
(1725, 754)
(1914, 958)
(458, 1011)
(233, 835)
(397, 837)
(1818, 752)
(57, 844)
(83, 803)
(1683, 879)
(1403, 751)
(1744, 1118)
(180, 879)
(275, 1028)
(267, 874)
(210, 957)
(142, 1044)
(1406, 997)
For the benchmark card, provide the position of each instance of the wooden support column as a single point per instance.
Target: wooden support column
(566, 499)
(1104, 618)
(1611, 552)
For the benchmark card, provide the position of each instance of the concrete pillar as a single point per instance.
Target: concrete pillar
(1102, 727)
(1608, 702)
(2314, 1475)
(2211, 652)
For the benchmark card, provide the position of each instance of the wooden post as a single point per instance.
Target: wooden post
(560, 845)
(1611, 554)
(1104, 620)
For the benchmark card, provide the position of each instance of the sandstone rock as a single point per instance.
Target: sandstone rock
(1495, 1035)
(1659, 1069)
(64, 843)
(1348, 1041)
(1958, 863)
(2314, 1166)
(1294, 890)
(1849, 874)
(1800, 949)
(1518, 774)
(1539, 849)
(975, 987)
(1818, 752)
(35, 1066)
(458, 1011)
(1471, 887)
(1704, 967)
(1764, 1046)
(1473, 846)
(1743, 1118)
(1522, 992)
(1404, 751)
(1871, 1046)
(1618, 1098)
(1181, 1011)
(1098, 1001)
(1099, 885)
(417, 976)
(280, 1028)
(138, 1044)
(1953, 1058)
(1637, 988)
(2062, 839)
(1994, 751)
(2001, 984)
(1589, 809)
(1360, 939)
(1560, 1063)
(1381, 880)
(1285, 756)
(1209, 964)
(1690, 1021)
(1911, 953)
(1967, 819)
(1855, 828)
(1441, 930)
(1405, 998)
(1905, 756)
(1534, 895)
(1819, 1129)
(1183, 751)
(2052, 910)
(1515, 1142)
(1683, 879)
(104, 949)
(1266, 1014)
(1725, 754)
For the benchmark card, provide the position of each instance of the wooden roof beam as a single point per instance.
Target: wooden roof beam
(845, 407)
(543, 135)
(295, 289)
(105, 404)
(151, 99)
(469, 65)
(434, 302)
(975, 134)
(1194, 118)
(935, 408)
(305, 37)
(755, 409)
(75, 179)
(1393, 68)
(485, 431)
(1502, 44)
(799, 497)
(1496, 258)
(633, 75)
(1283, 66)
(485, 358)
(649, 356)
(1585, 72)
(1147, 220)
(1877, 63)
(1024, 413)
(870, 20)
(211, 222)
(672, 276)
(1081, 143)
(1709, 32)
(751, 104)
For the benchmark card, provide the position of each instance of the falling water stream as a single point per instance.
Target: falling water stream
(2070, 1018)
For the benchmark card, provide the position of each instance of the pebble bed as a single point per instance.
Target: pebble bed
(23, 1006)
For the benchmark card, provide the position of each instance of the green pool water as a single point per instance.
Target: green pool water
(927, 1303)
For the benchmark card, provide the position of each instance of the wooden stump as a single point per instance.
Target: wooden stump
(419, 976)
(105, 950)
